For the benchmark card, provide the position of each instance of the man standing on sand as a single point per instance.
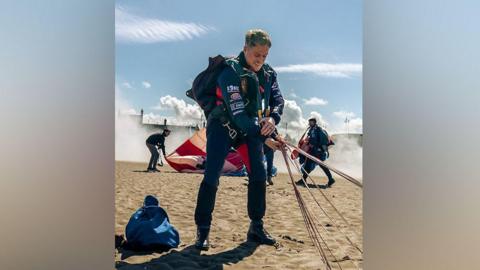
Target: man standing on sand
(318, 141)
(154, 143)
(239, 121)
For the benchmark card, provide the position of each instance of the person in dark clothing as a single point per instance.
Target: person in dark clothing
(238, 121)
(318, 141)
(154, 143)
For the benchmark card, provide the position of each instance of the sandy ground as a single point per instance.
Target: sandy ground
(177, 195)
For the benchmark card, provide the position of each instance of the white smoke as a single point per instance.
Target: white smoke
(347, 156)
(129, 135)
(152, 118)
(177, 137)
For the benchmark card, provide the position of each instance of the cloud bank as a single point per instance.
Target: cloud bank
(342, 70)
(137, 29)
(315, 101)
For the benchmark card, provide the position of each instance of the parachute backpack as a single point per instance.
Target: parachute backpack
(149, 228)
(204, 85)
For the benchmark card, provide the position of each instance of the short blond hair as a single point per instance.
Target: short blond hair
(255, 37)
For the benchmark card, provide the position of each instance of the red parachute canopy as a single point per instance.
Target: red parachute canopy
(190, 156)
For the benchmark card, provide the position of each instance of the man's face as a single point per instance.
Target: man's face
(256, 56)
(311, 123)
(167, 133)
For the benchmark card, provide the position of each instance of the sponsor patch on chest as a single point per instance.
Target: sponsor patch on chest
(233, 89)
(235, 97)
(237, 106)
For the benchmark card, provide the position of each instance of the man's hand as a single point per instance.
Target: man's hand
(275, 145)
(268, 126)
(280, 139)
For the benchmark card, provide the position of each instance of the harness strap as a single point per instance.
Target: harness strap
(220, 113)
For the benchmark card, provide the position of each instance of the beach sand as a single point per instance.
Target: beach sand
(177, 193)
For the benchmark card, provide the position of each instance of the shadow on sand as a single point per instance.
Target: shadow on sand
(146, 171)
(317, 186)
(190, 258)
(312, 186)
(142, 171)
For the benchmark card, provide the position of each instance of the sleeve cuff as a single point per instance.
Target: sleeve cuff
(276, 117)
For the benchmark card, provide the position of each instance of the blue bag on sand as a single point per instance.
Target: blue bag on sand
(150, 228)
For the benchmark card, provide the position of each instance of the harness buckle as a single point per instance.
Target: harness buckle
(231, 132)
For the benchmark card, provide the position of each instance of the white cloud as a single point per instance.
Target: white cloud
(183, 111)
(292, 94)
(354, 124)
(320, 121)
(294, 121)
(292, 114)
(315, 101)
(342, 70)
(343, 114)
(132, 28)
(146, 84)
(127, 85)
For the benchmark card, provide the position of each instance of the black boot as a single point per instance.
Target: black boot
(327, 172)
(331, 181)
(202, 241)
(203, 214)
(257, 233)
(256, 211)
(269, 180)
(300, 182)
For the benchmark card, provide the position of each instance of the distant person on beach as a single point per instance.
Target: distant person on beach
(154, 143)
(239, 121)
(318, 142)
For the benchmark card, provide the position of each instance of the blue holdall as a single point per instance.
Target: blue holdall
(150, 228)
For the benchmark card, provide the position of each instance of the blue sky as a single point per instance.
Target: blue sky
(317, 52)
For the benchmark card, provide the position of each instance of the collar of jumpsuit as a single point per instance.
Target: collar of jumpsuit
(262, 77)
(243, 61)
